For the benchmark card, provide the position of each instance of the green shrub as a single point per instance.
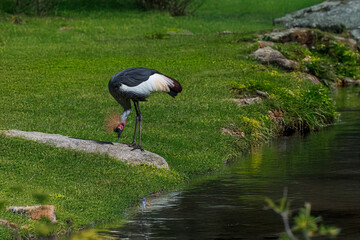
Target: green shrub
(174, 7)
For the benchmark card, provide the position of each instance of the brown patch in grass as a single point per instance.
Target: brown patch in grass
(112, 121)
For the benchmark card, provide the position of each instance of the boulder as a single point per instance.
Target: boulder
(119, 151)
(267, 55)
(334, 16)
(36, 212)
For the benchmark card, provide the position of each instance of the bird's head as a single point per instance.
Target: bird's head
(119, 128)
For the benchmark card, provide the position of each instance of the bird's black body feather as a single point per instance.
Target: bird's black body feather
(133, 76)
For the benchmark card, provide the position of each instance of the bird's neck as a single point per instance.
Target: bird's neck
(124, 115)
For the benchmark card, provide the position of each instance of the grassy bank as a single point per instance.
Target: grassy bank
(53, 78)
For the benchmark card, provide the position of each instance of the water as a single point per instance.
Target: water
(322, 168)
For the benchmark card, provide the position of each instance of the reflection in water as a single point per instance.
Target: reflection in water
(322, 168)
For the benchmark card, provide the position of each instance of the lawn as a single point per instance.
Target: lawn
(54, 73)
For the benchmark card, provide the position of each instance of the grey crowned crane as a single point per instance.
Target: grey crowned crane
(136, 84)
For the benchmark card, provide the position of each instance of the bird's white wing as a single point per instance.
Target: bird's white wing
(155, 83)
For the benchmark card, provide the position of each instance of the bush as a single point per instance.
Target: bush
(46, 7)
(174, 7)
(30, 7)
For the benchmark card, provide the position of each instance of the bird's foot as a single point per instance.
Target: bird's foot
(133, 144)
(137, 147)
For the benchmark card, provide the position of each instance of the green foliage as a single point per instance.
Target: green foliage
(340, 52)
(30, 7)
(40, 197)
(304, 222)
(329, 60)
(293, 51)
(52, 7)
(157, 35)
(345, 60)
(174, 7)
(44, 228)
(2, 204)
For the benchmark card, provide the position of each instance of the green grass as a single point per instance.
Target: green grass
(55, 81)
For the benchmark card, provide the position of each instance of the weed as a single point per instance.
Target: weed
(304, 222)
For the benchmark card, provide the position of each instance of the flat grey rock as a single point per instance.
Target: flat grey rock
(119, 151)
(329, 15)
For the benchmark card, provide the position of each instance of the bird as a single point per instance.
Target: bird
(136, 84)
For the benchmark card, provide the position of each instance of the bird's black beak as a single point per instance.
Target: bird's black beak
(119, 129)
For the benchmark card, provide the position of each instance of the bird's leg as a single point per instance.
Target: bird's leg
(138, 118)
(136, 124)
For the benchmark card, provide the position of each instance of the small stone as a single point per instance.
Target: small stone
(355, 33)
(351, 43)
(6, 223)
(66, 28)
(36, 212)
(312, 78)
(262, 94)
(267, 55)
(351, 82)
(246, 101)
(236, 133)
(263, 44)
(276, 115)
(226, 32)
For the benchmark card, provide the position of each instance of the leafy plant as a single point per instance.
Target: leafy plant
(306, 226)
(174, 7)
(38, 7)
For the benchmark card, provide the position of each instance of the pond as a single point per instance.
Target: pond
(322, 168)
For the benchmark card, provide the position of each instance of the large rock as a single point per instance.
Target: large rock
(119, 151)
(267, 55)
(328, 16)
